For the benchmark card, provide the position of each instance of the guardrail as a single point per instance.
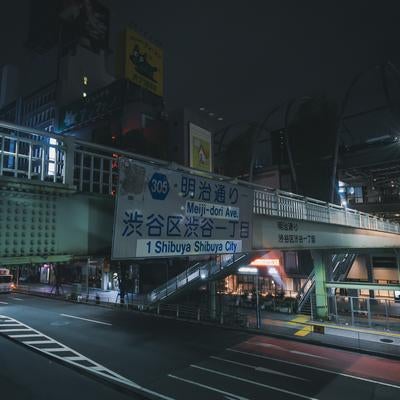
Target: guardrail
(45, 156)
(289, 205)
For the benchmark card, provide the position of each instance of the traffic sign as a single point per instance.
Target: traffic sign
(158, 186)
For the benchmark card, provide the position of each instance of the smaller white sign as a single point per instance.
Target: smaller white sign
(162, 248)
(209, 210)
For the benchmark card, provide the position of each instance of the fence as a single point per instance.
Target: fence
(365, 311)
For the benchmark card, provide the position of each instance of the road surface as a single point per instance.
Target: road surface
(54, 349)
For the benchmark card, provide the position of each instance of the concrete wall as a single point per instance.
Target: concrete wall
(51, 222)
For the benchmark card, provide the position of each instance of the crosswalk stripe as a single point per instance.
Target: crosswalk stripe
(38, 342)
(25, 335)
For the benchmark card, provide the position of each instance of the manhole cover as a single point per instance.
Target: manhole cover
(386, 340)
(59, 323)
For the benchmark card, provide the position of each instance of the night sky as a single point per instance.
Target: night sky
(238, 58)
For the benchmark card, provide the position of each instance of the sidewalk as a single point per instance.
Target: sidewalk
(106, 296)
(328, 333)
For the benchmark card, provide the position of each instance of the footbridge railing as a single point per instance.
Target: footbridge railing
(43, 156)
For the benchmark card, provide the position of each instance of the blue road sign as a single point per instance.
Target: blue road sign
(158, 186)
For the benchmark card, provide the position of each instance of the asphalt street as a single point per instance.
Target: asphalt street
(54, 349)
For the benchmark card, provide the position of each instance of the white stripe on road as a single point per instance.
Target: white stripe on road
(308, 354)
(38, 341)
(75, 358)
(57, 349)
(273, 346)
(86, 319)
(3, 302)
(315, 368)
(16, 298)
(233, 396)
(26, 335)
(261, 369)
(15, 330)
(213, 371)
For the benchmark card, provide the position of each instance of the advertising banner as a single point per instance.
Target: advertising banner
(143, 62)
(200, 148)
(161, 212)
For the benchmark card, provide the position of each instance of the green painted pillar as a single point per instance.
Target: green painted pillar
(321, 298)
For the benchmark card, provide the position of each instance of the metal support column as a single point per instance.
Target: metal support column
(258, 315)
(397, 252)
(321, 298)
(69, 160)
(368, 263)
(213, 300)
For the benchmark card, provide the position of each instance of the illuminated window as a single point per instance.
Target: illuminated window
(52, 157)
(85, 80)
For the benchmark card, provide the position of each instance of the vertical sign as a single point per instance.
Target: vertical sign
(200, 148)
(162, 213)
(143, 62)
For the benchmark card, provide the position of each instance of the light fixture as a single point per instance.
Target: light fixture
(84, 94)
(248, 270)
(272, 271)
(265, 262)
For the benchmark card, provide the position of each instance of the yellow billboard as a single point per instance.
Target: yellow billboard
(143, 62)
(200, 148)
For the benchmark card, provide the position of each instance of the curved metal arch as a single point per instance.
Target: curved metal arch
(343, 107)
(225, 131)
(288, 109)
(261, 127)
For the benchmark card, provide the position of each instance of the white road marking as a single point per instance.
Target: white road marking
(316, 368)
(75, 358)
(37, 342)
(16, 298)
(308, 354)
(25, 335)
(3, 302)
(213, 371)
(57, 349)
(273, 346)
(93, 368)
(86, 319)
(231, 395)
(8, 323)
(260, 369)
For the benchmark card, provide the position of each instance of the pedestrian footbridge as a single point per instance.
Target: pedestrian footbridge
(57, 201)
(57, 197)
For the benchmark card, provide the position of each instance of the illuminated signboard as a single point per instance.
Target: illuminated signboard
(162, 212)
(266, 262)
